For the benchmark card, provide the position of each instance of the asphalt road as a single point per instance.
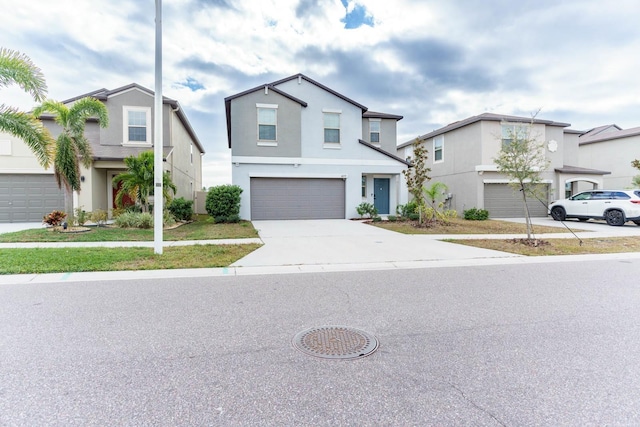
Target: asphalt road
(512, 345)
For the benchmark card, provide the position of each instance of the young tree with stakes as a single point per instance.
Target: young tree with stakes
(418, 174)
(523, 160)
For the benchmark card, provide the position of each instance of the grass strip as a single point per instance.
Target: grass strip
(62, 260)
(606, 245)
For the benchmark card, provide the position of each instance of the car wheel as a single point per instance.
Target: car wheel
(614, 217)
(558, 213)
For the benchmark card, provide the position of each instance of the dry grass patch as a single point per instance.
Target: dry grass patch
(569, 246)
(463, 226)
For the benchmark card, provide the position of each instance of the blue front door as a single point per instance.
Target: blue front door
(381, 195)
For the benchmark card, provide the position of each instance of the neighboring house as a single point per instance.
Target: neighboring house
(611, 148)
(303, 151)
(27, 190)
(130, 132)
(461, 155)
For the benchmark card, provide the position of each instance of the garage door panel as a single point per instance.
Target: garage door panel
(503, 202)
(27, 198)
(297, 198)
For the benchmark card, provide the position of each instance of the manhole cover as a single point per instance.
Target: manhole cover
(335, 342)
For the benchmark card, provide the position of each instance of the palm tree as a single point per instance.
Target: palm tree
(71, 145)
(137, 182)
(16, 68)
(434, 193)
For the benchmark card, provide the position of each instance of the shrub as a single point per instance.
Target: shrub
(392, 218)
(476, 214)
(226, 219)
(181, 209)
(376, 219)
(365, 208)
(134, 220)
(414, 216)
(99, 217)
(408, 209)
(54, 219)
(81, 216)
(223, 203)
(168, 218)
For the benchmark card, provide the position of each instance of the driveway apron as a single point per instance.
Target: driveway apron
(320, 242)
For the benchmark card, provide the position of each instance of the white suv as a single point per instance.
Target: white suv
(614, 206)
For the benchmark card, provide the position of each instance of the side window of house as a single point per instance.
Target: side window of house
(374, 130)
(267, 122)
(438, 148)
(331, 127)
(136, 125)
(511, 132)
(364, 186)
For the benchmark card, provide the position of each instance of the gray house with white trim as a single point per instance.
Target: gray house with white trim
(301, 150)
(461, 155)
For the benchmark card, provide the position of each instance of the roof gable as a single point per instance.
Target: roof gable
(104, 94)
(487, 117)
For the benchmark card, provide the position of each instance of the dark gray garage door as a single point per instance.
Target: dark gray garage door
(297, 198)
(502, 202)
(27, 198)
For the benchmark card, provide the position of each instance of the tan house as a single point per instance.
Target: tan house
(461, 155)
(27, 191)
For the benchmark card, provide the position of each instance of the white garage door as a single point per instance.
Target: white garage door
(502, 202)
(27, 198)
(297, 198)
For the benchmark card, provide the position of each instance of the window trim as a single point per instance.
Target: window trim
(266, 142)
(516, 130)
(439, 137)
(329, 144)
(371, 132)
(125, 126)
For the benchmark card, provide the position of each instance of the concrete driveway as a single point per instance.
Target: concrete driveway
(318, 242)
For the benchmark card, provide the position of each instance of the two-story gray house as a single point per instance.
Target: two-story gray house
(461, 155)
(301, 150)
(31, 191)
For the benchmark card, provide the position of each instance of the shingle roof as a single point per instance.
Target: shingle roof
(386, 153)
(484, 117)
(608, 136)
(119, 152)
(376, 115)
(579, 170)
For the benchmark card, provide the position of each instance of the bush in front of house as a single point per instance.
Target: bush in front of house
(406, 211)
(134, 220)
(99, 217)
(181, 209)
(476, 214)
(54, 219)
(223, 203)
(365, 208)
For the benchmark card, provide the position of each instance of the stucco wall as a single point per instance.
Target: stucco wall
(614, 156)
(244, 126)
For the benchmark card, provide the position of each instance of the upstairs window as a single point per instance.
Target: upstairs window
(267, 122)
(438, 148)
(374, 131)
(331, 128)
(511, 132)
(137, 121)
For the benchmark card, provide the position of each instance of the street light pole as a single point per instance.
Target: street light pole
(158, 200)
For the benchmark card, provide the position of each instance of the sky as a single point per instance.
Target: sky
(433, 62)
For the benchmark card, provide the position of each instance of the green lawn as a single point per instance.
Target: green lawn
(56, 260)
(202, 229)
(60, 260)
